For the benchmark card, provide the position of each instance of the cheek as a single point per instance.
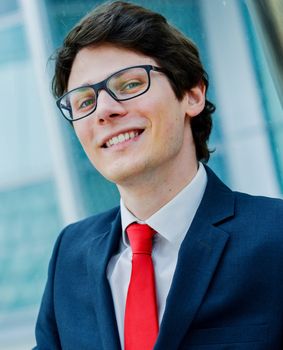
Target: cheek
(84, 133)
(171, 123)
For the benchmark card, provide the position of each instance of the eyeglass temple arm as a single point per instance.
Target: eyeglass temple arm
(69, 109)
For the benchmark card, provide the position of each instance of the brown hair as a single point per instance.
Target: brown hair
(133, 27)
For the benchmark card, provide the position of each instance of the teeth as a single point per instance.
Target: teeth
(121, 138)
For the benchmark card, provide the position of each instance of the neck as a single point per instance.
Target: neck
(145, 196)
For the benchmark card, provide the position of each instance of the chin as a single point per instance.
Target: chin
(114, 175)
(123, 175)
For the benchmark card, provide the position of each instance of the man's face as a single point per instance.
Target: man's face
(150, 135)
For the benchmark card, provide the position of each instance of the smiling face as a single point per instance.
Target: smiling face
(138, 139)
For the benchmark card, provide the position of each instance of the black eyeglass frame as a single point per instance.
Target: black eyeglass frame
(102, 85)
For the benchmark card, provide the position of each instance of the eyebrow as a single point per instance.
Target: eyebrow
(86, 84)
(89, 83)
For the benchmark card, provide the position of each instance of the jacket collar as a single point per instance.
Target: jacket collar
(198, 258)
(100, 251)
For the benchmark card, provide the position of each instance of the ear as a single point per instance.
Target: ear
(195, 100)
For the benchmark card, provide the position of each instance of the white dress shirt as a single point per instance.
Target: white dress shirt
(171, 223)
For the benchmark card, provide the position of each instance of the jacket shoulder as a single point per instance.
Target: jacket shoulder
(260, 214)
(259, 202)
(91, 226)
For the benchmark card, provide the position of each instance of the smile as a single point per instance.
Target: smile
(122, 138)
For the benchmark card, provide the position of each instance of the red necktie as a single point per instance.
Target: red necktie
(141, 320)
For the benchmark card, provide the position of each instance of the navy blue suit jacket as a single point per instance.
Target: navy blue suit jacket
(227, 290)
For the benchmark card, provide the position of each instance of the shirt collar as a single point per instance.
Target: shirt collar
(173, 220)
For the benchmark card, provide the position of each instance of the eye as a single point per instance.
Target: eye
(82, 100)
(130, 87)
(86, 103)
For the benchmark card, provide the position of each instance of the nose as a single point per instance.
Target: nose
(108, 108)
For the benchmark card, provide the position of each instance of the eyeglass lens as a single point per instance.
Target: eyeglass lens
(123, 85)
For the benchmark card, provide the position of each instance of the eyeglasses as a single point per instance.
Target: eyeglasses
(123, 85)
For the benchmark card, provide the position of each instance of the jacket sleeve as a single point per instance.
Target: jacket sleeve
(46, 331)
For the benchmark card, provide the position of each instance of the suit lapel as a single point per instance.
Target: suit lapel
(101, 249)
(198, 258)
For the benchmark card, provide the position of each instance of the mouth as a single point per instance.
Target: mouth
(122, 137)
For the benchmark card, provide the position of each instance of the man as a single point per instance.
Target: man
(210, 274)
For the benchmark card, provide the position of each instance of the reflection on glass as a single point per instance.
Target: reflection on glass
(268, 17)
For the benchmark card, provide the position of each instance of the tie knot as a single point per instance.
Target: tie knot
(140, 237)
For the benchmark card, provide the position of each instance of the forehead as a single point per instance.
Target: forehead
(93, 64)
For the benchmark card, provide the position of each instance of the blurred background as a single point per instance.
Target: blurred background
(46, 181)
